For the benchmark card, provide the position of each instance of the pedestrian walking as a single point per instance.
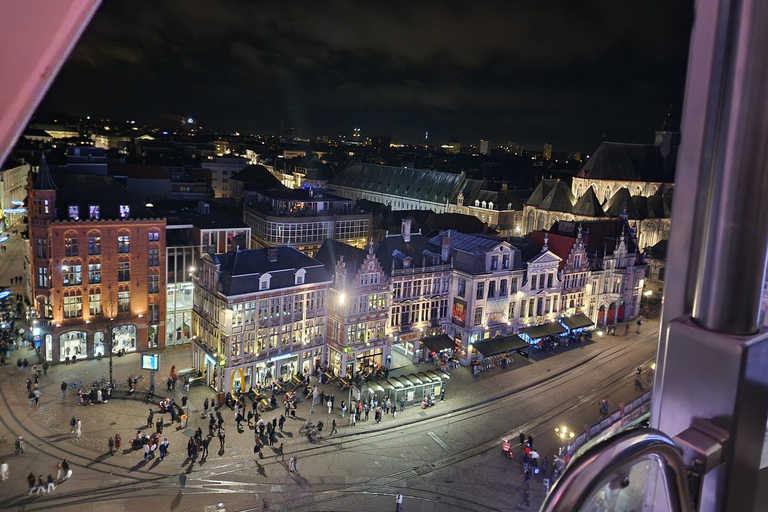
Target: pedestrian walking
(343, 408)
(19, 445)
(352, 419)
(639, 323)
(330, 406)
(146, 452)
(398, 502)
(291, 465)
(530, 441)
(73, 424)
(79, 428)
(281, 422)
(51, 485)
(63, 389)
(118, 442)
(45, 368)
(182, 482)
(31, 483)
(3, 471)
(29, 385)
(206, 442)
(626, 329)
(333, 427)
(205, 408)
(164, 448)
(111, 445)
(222, 438)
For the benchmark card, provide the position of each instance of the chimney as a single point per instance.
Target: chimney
(504, 185)
(445, 253)
(405, 230)
(272, 254)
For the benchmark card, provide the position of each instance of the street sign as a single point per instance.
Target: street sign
(150, 362)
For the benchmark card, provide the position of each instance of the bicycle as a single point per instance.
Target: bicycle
(75, 384)
(308, 429)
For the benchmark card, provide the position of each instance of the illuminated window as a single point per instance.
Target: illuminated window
(124, 244)
(123, 301)
(125, 211)
(74, 212)
(94, 211)
(94, 301)
(70, 247)
(94, 273)
(73, 305)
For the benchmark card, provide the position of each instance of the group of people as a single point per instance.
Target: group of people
(96, 395)
(39, 485)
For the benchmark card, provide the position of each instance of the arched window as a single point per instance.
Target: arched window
(94, 243)
(123, 241)
(73, 304)
(94, 301)
(70, 244)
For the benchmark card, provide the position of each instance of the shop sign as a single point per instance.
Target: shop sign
(409, 337)
(281, 357)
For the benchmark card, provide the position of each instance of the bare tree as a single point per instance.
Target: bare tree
(105, 323)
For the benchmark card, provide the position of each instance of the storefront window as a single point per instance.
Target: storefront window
(72, 343)
(48, 347)
(98, 344)
(125, 338)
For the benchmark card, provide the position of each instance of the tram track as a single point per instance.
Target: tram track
(555, 382)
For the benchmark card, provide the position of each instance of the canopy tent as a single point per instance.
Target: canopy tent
(439, 343)
(503, 345)
(577, 321)
(536, 332)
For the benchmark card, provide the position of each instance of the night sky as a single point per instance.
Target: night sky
(531, 71)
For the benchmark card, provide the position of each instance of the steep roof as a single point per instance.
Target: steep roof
(658, 251)
(559, 199)
(501, 199)
(588, 205)
(620, 201)
(260, 177)
(239, 271)
(626, 162)
(437, 222)
(332, 250)
(421, 184)
(44, 179)
(540, 192)
(395, 249)
(602, 235)
(560, 245)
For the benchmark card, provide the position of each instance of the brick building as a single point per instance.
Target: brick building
(97, 267)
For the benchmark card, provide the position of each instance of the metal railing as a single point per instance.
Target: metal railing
(608, 464)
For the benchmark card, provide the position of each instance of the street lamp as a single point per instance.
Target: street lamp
(565, 435)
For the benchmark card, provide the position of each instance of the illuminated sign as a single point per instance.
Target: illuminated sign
(150, 361)
(14, 210)
(3, 238)
(17, 203)
(5, 294)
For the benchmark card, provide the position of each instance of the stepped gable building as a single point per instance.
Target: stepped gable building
(629, 181)
(358, 309)
(97, 264)
(259, 315)
(616, 270)
(420, 280)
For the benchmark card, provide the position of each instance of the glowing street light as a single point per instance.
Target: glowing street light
(564, 433)
(342, 298)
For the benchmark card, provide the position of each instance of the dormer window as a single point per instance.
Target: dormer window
(300, 276)
(74, 213)
(477, 202)
(125, 211)
(264, 282)
(490, 205)
(94, 212)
